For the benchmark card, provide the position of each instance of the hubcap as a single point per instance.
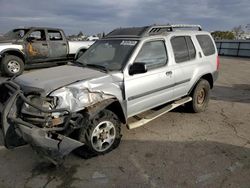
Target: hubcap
(201, 96)
(13, 66)
(103, 136)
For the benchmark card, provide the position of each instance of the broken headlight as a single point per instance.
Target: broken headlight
(43, 103)
(36, 115)
(74, 98)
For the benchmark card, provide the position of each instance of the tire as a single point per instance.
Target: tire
(100, 135)
(12, 65)
(79, 54)
(200, 96)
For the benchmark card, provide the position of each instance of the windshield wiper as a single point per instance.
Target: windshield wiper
(97, 66)
(78, 63)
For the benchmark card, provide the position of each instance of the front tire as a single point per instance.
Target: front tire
(12, 65)
(200, 96)
(100, 135)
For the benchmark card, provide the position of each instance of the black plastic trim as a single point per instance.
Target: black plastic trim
(157, 90)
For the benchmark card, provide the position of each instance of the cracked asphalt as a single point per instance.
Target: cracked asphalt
(179, 149)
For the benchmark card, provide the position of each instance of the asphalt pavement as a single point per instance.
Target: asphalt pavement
(179, 149)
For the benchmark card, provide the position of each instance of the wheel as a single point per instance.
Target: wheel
(200, 96)
(80, 53)
(101, 135)
(12, 65)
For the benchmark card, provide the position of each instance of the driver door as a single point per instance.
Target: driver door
(36, 46)
(147, 90)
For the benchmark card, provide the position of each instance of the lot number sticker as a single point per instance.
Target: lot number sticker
(128, 42)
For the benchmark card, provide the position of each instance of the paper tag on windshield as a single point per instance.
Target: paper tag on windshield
(128, 42)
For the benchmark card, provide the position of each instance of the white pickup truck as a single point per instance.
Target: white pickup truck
(24, 47)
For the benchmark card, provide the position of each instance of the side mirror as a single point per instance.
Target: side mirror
(30, 39)
(137, 68)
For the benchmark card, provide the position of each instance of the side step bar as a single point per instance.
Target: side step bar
(158, 113)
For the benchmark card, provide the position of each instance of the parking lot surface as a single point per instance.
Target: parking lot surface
(179, 149)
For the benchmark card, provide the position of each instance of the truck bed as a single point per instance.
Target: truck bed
(76, 45)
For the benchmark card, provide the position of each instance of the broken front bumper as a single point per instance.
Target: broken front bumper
(16, 131)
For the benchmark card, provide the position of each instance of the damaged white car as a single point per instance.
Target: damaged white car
(82, 106)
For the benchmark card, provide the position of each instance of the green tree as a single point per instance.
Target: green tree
(238, 31)
(223, 35)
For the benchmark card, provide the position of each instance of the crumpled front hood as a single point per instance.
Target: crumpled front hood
(50, 79)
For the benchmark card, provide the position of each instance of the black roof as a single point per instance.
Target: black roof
(127, 32)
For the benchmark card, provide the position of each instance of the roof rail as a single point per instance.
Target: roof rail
(187, 26)
(159, 29)
(137, 32)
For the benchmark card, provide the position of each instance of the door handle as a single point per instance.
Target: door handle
(44, 44)
(169, 73)
(64, 44)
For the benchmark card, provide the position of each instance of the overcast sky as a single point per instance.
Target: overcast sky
(93, 16)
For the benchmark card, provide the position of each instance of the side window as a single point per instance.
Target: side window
(54, 35)
(180, 49)
(206, 44)
(153, 54)
(184, 49)
(38, 35)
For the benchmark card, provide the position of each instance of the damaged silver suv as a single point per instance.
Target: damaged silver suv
(82, 106)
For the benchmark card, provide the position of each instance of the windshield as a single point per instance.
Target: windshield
(109, 54)
(15, 34)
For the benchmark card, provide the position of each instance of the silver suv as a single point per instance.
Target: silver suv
(82, 106)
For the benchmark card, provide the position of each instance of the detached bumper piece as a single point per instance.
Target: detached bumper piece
(46, 141)
(52, 146)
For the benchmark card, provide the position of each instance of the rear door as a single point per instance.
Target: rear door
(147, 90)
(186, 61)
(36, 46)
(58, 48)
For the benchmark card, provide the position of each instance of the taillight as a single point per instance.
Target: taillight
(217, 63)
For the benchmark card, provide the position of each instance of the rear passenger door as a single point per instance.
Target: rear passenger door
(147, 90)
(57, 45)
(186, 60)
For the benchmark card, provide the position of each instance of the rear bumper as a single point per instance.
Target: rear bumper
(16, 131)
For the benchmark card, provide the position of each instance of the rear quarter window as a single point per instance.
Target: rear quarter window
(206, 44)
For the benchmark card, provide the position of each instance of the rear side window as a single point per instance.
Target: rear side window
(54, 35)
(184, 49)
(206, 44)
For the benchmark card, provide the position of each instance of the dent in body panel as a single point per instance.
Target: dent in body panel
(82, 94)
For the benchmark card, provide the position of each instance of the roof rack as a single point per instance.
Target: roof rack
(137, 32)
(161, 29)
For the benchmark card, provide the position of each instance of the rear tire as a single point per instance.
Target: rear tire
(12, 65)
(200, 96)
(100, 135)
